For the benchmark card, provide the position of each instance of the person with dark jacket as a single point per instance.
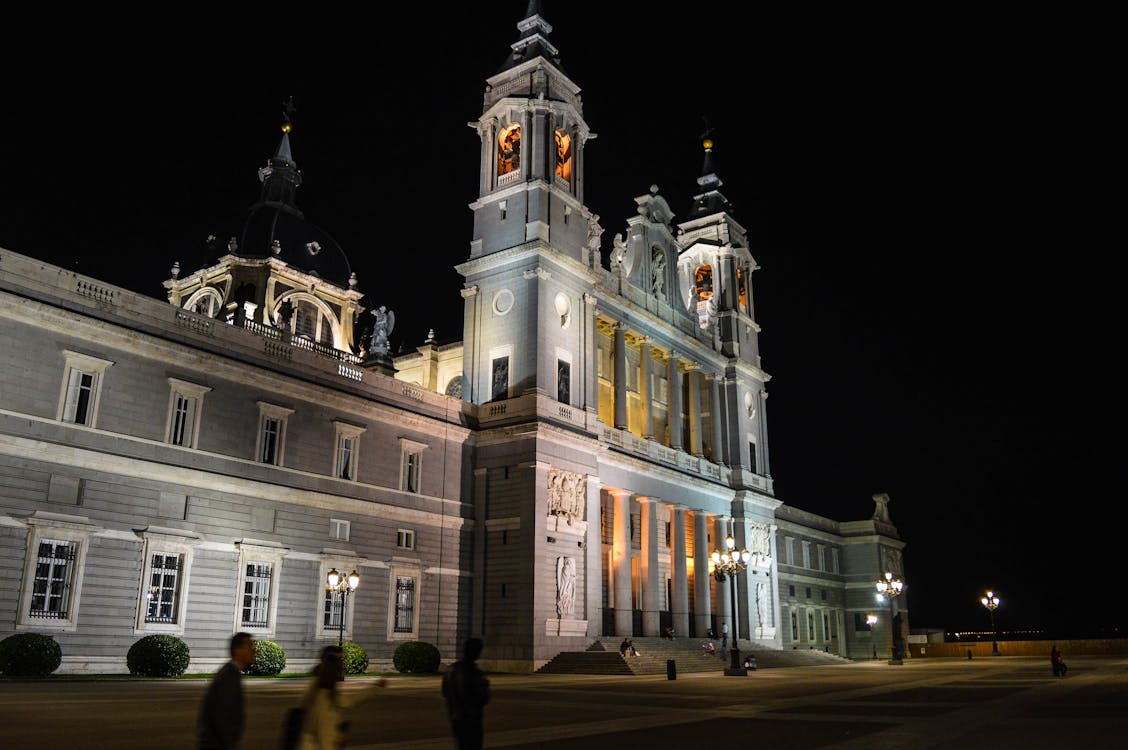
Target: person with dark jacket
(466, 691)
(221, 721)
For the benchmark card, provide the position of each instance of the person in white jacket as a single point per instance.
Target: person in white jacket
(324, 726)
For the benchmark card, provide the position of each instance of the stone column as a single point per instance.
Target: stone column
(694, 378)
(593, 559)
(620, 376)
(481, 509)
(702, 606)
(621, 562)
(679, 577)
(589, 367)
(673, 402)
(648, 569)
(724, 600)
(718, 443)
(644, 395)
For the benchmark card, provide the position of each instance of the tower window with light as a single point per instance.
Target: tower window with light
(563, 155)
(509, 150)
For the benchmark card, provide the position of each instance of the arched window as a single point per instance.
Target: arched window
(563, 155)
(509, 150)
(703, 282)
(309, 321)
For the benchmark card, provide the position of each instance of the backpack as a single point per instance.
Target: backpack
(292, 728)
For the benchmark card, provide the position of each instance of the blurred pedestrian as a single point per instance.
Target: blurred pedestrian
(324, 726)
(221, 720)
(467, 691)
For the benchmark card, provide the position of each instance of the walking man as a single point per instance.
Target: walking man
(724, 639)
(221, 720)
(466, 691)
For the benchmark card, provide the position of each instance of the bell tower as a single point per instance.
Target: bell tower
(530, 226)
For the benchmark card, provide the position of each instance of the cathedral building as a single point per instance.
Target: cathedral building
(199, 464)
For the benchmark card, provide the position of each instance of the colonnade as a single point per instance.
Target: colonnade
(707, 602)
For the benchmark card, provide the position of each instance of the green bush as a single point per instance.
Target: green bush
(416, 657)
(158, 656)
(270, 659)
(356, 658)
(29, 655)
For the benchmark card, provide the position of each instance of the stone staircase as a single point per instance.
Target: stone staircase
(602, 657)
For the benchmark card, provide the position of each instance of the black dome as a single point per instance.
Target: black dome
(301, 244)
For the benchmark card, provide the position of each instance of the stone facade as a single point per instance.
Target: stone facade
(196, 465)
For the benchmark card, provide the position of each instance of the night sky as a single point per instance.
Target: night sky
(935, 261)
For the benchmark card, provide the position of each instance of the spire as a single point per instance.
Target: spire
(709, 200)
(280, 177)
(533, 41)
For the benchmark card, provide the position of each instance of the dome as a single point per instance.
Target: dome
(277, 230)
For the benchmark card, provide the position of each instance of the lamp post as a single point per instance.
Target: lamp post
(991, 602)
(889, 588)
(728, 562)
(342, 586)
(871, 620)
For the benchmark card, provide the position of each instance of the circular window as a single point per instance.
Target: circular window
(503, 302)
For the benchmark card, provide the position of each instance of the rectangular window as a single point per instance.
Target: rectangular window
(163, 594)
(256, 595)
(272, 433)
(789, 551)
(500, 378)
(794, 626)
(806, 554)
(345, 458)
(79, 407)
(271, 438)
(405, 605)
(667, 533)
(822, 557)
(50, 594)
(405, 539)
(826, 627)
(791, 590)
(339, 529)
(82, 383)
(346, 448)
(183, 419)
(808, 592)
(752, 456)
(331, 619)
(823, 592)
(810, 626)
(411, 463)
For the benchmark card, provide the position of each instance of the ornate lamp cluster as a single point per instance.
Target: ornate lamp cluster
(991, 602)
(888, 589)
(728, 562)
(342, 586)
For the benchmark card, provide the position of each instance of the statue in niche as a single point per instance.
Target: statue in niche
(381, 329)
(881, 508)
(509, 150)
(760, 539)
(566, 495)
(658, 273)
(565, 587)
(761, 603)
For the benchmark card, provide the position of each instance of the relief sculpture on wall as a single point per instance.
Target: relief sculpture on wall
(566, 493)
(759, 538)
(565, 587)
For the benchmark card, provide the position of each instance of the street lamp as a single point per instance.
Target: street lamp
(871, 620)
(342, 586)
(728, 562)
(889, 588)
(991, 602)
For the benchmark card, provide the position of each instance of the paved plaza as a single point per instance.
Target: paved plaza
(948, 704)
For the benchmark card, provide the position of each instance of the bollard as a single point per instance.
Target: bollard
(671, 670)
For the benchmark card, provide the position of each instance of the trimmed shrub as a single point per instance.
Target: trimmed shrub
(29, 655)
(270, 659)
(416, 657)
(158, 656)
(356, 658)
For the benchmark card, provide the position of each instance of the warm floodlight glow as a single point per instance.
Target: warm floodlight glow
(333, 579)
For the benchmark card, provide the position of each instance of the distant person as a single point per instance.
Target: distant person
(668, 633)
(324, 726)
(709, 648)
(724, 639)
(221, 720)
(1056, 662)
(466, 691)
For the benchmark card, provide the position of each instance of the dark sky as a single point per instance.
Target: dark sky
(936, 263)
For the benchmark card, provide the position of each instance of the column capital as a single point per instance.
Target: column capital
(589, 298)
(468, 291)
(647, 499)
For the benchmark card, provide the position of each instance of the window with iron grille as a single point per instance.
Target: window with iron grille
(164, 588)
(333, 610)
(50, 593)
(405, 605)
(256, 595)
